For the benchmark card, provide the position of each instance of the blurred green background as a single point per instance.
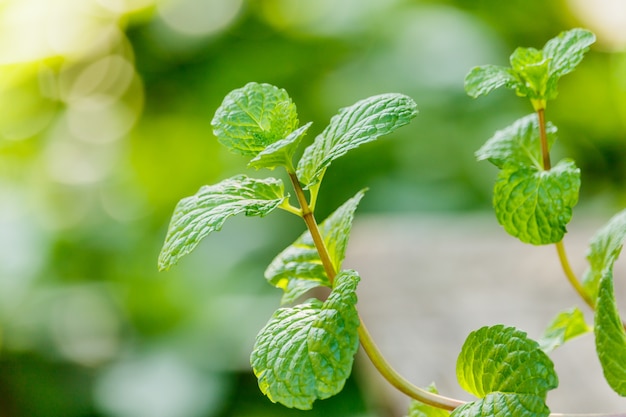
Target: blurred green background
(105, 109)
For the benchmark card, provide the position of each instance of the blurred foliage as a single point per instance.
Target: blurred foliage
(105, 110)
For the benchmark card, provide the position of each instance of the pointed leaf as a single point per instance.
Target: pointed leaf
(565, 326)
(299, 268)
(419, 409)
(484, 79)
(280, 153)
(610, 336)
(534, 205)
(306, 352)
(518, 144)
(253, 117)
(360, 123)
(604, 249)
(504, 359)
(499, 404)
(567, 50)
(205, 212)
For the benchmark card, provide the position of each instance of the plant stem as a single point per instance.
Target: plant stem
(545, 152)
(571, 277)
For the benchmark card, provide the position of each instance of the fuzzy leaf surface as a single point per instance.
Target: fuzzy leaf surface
(604, 250)
(280, 153)
(419, 409)
(505, 360)
(610, 336)
(305, 353)
(353, 126)
(299, 268)
(518, 144)
(565, 326)
(254, 116)
(499, 404)
(535, 205)
(205, 212)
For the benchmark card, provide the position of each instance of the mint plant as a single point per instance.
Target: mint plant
(306, 350)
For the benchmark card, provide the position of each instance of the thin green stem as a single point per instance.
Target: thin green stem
(571, 276)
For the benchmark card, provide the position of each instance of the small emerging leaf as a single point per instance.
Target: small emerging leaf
(205, 212)
(535, 205)
(565, 326)
(531, 70)
(604, 249)
(253, 117)
(499, 404)
(280, 153)
(419, 409)
(504, 359)
(299, 268)
(306, 352)
(610, 336)
(360, 123)
(518, 144)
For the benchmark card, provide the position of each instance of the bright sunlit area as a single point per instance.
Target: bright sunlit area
(105, 124)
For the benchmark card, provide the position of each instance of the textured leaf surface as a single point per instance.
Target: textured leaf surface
(604, 250)
(610, 336)
(518, 144)
(484, 79)
(504, 359)
(535, 205)
(419, 409)
(253, 117)
(299, 268)
(531, 68)
(205, 212)
(280, 153)
(565, 326)
(360, 123)
(500, 404)
(306, 352)
(567, 50)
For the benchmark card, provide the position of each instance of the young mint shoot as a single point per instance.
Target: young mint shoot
(306, 350)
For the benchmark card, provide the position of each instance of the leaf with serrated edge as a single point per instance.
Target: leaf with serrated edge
(504, 359)
(499, 404)
(205, 212)
(419, 409)
(484, 79)
(604, 249)
(254, 116)
(305, 353)
(353, 126)
(280, 153)
(566, 50)
(299, 268)
(518, 144)
(535, 205)
(565, 326)
(610, 336)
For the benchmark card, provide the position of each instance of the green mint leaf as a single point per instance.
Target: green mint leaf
(205, 212)
(299, 268)
(535, 205)
(504, 359)
(531, 69)
(498, 404)
(604, 249)
(565, 326)
(518, 144)
(280, 153)
(306, 352)
(353, 126)
(564, 53)
(610, 336)
(484, 79)
(253, 117)
(419, 409)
